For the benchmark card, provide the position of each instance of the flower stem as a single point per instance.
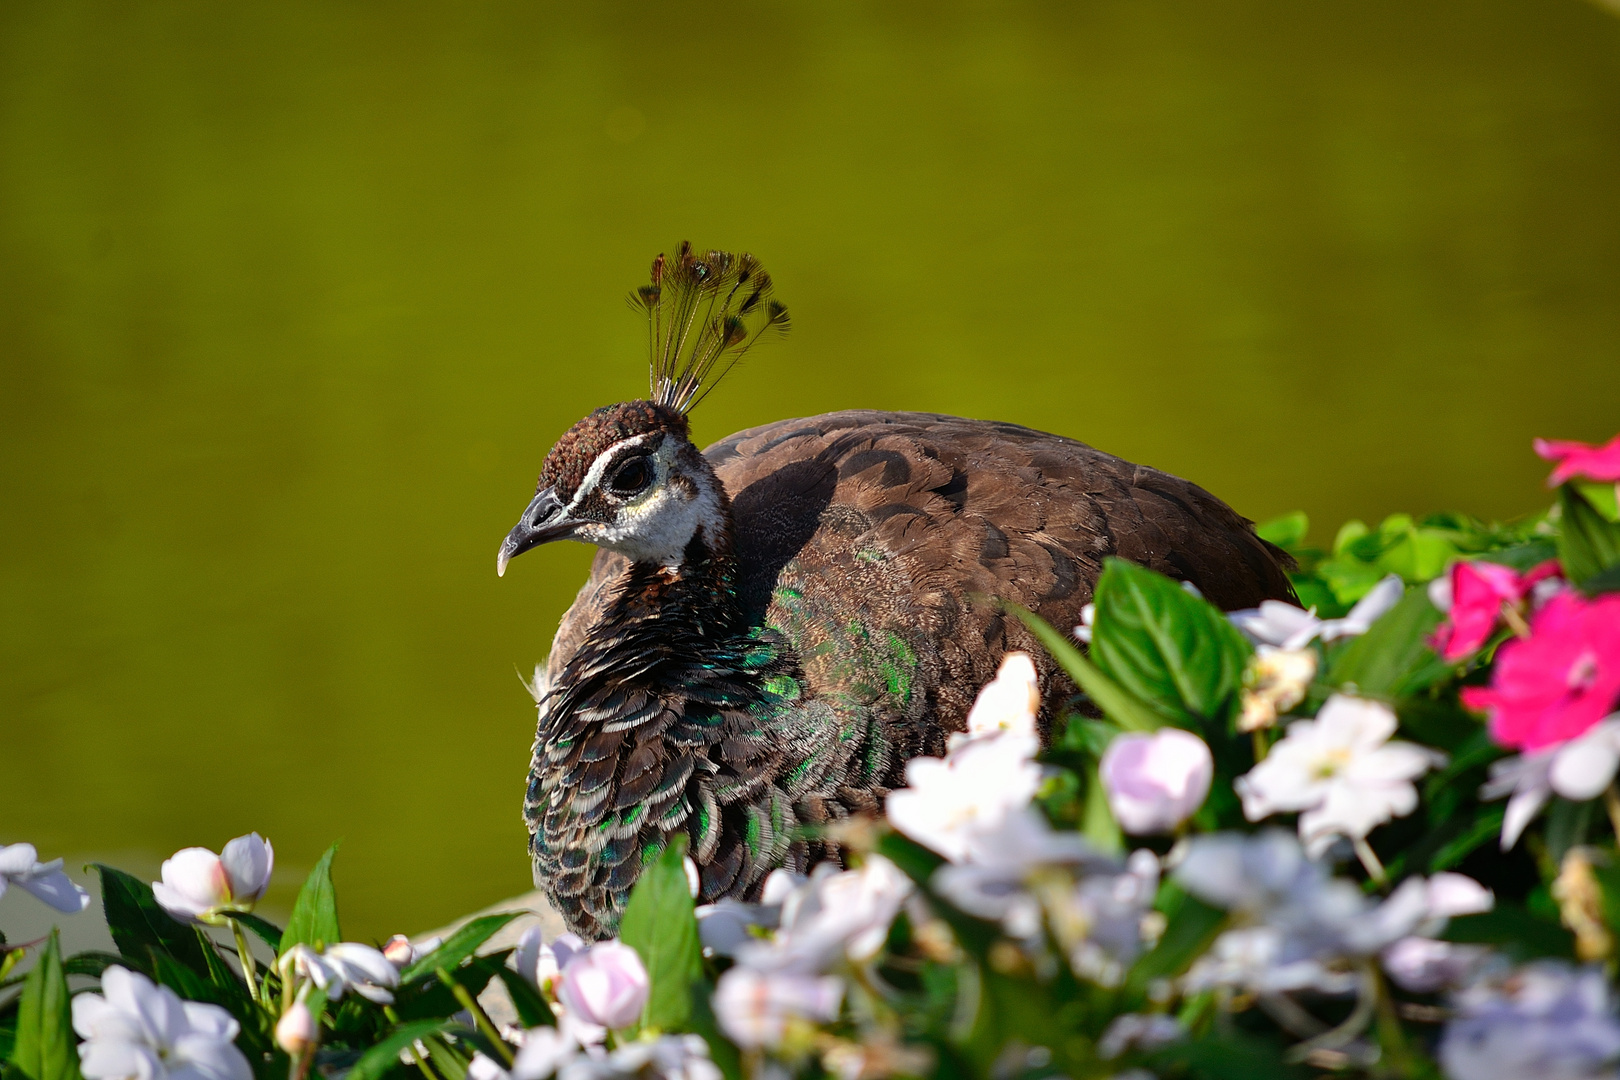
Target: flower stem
(480, 1017)
(1262, 745)
(250, 967)
(1369, 859)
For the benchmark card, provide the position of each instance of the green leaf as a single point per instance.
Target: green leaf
(1588, 544)
(1165, 646)
(1287, 532)
(384, 1055)
(314, 920)
(45, 1047)
(1606, 582)
(659, 924)
(93, 963)
(531, 1008)
(1393, 658)
(1228, 1057)
(1190, 931)
(139, 925)
(1604, 498)
(1514, 930)
(1121, 707)
(1099, 825)
(263, 929)
(459, 945)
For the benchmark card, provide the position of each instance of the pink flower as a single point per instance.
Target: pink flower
(1478, 591)
(1155, 782)
(1599, 463)
(605, 985)
(1552, 686)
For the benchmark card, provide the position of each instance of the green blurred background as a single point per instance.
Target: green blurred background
(295, 296)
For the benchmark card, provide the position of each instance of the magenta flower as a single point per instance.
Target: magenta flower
(1557, 683)
(1479, 590)
(1599, 463)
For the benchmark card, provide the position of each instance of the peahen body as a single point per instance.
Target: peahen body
(776, 624)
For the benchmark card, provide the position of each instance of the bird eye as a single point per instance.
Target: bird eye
(631, 477)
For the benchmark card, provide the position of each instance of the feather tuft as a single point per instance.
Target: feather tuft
(704, 312)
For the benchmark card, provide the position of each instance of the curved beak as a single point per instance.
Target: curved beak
(542, 522)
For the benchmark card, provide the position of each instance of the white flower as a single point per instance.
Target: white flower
(1156, 781)
(1341, 770)
(949, 802)
(754, 1007)
(1108, 911)
(1579, 769)
(199, 886)
(135, 1030)
(669, 1057)
(1088, 623)
(605, 985)
(342, 967)
(538, 962)
(835, 914)
(1545, 1020)
(543, 1051)
(1009, 702)
(20, 866)
(1282, 624)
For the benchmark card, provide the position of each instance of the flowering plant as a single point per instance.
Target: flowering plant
(1375, 835)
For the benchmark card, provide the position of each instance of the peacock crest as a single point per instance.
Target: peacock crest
(704, 311)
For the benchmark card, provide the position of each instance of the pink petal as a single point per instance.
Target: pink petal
(1598, 463)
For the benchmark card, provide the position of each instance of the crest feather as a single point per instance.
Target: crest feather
(704, 311)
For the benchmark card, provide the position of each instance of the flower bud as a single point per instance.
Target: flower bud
(297, 1031)
(200, 886)
(1155, 782)
(538, 962)
(605, 985)
(400, 952)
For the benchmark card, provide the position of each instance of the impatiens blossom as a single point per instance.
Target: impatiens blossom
(1295, 926)
(199, 886)
(1276, 681)
(137, 1030)
(1009, 702)
(340, 968)
(20, 866)
(544, 1051)
(1561, 680)
(949, 803)
(1543, 1020)
(1341, 770)
(1579, 769)
(539, 962)
(1576, 459)
(1474, 597)
(1288, 627)
(754, 1008)
(402, 952)
(836, 914)
(605, 985)
(1138, 1031)
(1156, 781)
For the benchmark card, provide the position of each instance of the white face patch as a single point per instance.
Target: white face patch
(657, 525)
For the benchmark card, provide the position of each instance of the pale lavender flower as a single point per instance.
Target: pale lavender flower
(20, 866)
(605, 985)
(1156, 781)
(1546, 1020)
(754, 1008)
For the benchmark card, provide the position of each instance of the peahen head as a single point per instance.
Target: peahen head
(628, 477)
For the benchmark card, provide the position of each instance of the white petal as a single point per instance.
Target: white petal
(57, 890)
(1583, 768)
(248, 862)
(200, 1057)
(1521, 809)
(105, 1060)
(211, 1021)
(17, 859)
(1458, 894)
(197, 878)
